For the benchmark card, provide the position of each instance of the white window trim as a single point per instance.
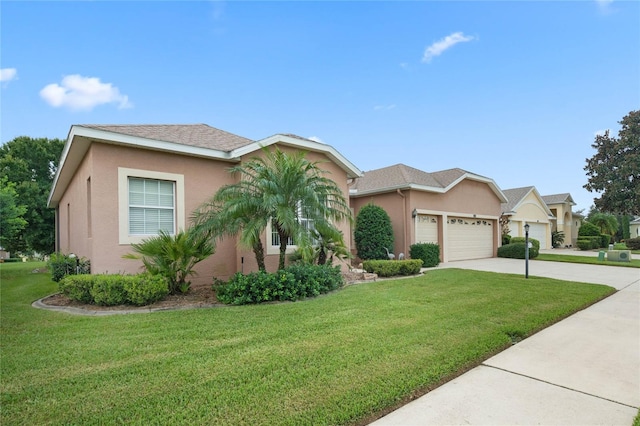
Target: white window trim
(271, 249)
(123, 200)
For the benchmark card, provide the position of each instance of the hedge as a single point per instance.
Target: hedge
(429, 253)
(633, 243)
(517, 251)
(111, 290)
(535, 243)
(390, 268)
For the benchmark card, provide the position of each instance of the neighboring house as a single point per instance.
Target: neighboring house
(4, 254)
(560, 206)
(118, 184)
(526, 206)
(454, 208)
(634, 228)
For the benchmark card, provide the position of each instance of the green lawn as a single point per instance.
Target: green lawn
(342, 358)
(591, 260)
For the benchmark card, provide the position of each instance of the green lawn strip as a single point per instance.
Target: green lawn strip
(591, 260)
(336, 359)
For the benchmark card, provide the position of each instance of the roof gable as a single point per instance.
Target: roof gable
(516, 196)
(401, 176)
(558, 199)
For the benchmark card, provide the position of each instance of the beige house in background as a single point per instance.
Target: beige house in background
(456, 209)
(526, 206)
(116, 185)
(566, 222)
(634, 228)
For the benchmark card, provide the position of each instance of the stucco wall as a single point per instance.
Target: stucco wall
(466, 198)
(101, 243)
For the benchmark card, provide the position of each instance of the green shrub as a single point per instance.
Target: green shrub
(517, 251)
(295, 282)
(535, 243)
(108, 290)
(373, 233)
(588, 229)
(429, 253)
(145, 289)
(620, 246)
(61, 265)
(12, 260)
(77, 287)
(633, 243)
(506, 239)
(584, 243)
(391, 268)
(605, 240)
(114, 289)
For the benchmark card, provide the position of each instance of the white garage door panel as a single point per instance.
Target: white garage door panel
(427, 229)
(539, 232)
(469, 238)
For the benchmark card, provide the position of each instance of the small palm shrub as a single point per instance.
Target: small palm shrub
(173, 256)
(373, 233)
(517, 251)
(557, 239)
(429, 253)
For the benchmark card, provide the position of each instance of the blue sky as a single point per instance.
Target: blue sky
(511, 90)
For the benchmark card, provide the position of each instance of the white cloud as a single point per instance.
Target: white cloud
(605, 6)
(8, 74)
(83, 93)
(315, 139)
(600, 132)
(437, 48)
(384, 107)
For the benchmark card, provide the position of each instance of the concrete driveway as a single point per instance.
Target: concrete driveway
(584, 370)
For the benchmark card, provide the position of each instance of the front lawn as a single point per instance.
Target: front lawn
(591, 260)
(342, 358)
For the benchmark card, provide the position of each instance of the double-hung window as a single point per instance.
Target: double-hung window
(149, 202)
(302, 219)
(151, 206)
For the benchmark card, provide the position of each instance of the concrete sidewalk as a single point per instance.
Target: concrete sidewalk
(584, 370)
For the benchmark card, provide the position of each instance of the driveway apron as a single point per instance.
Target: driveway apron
(583, 370)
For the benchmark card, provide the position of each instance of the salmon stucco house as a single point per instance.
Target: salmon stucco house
(454, 208)
(118, 184)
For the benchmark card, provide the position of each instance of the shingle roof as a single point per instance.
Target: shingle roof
(557, 198)
(197, 135)
(402, 176)
(514, 195)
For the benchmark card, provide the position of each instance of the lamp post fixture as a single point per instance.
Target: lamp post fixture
(526, 250)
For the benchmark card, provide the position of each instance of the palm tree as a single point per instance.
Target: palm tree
(607, 223)
(284, 188)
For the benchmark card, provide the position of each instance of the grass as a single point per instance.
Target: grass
(591, 260)
(343, 358)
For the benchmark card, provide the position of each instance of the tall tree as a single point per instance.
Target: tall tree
(31, 164)
(285, 188)
(12, 221)
(614, 171)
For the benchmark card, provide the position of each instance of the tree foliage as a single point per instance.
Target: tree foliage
(607, 223)
(12, 221)
(614, 171)
(284, 188)
(373, 233)
(31, 164)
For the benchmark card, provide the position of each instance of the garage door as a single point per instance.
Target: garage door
(539, 232)
(469, 238)
(427, 229)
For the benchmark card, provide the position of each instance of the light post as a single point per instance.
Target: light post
(526, 250)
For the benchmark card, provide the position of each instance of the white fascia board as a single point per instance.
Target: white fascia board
(304, 144)
(156, 145)
(356, 193)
